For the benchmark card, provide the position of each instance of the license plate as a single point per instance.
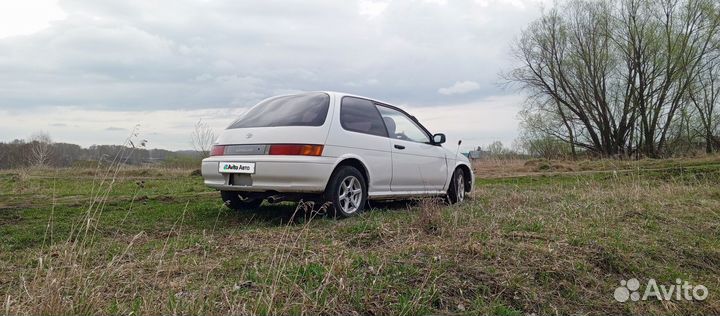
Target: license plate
(237, 167)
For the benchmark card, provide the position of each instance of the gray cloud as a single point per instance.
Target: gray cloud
(166, 63)
(460, 87)
(182, 54)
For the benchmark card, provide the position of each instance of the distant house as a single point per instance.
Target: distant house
(478, 153)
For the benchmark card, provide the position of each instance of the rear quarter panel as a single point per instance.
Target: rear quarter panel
(373, 151)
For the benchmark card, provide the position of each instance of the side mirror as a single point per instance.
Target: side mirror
(438, 138)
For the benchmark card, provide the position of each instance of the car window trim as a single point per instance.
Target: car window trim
(373, 102)
(412, 119)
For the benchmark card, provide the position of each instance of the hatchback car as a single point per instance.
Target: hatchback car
(336, 147)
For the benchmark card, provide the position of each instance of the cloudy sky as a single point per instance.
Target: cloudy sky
(88, 71)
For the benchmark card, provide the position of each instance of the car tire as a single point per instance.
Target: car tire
(233, 200)
(456, 192)
(347, 191)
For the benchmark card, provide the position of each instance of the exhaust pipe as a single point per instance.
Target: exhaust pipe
(277, 198)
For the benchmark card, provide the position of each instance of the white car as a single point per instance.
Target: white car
(334, 147)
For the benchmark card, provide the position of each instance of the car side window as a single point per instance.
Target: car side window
(360, 115)
(400, 126)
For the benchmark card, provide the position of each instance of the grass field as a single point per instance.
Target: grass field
(531, 239)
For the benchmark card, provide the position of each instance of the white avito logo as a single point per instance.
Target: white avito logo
(681, 290)
(627, 290)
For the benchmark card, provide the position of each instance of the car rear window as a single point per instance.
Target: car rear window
(360, 115)
(308, 109)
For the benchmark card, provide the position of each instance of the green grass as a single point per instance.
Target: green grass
(541, 244)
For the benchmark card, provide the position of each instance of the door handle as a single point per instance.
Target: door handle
(399, 146)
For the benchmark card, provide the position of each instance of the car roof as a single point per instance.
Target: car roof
(329, 92)
(337, 94)
(345, 94)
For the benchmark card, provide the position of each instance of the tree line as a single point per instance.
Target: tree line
(39, 150)
(42, 152)
(617, 78)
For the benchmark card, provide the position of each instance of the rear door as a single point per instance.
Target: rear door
(417, 164)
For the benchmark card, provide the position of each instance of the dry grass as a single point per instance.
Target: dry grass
(123, 171)
(498, 168)
(545, 245)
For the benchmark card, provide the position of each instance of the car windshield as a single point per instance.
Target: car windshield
(309, 109)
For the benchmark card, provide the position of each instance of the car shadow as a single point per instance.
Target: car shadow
(292, 213)
(392, 205)
(279, 214)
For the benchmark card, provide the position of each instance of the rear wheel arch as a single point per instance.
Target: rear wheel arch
(347, 188)
(353, 162)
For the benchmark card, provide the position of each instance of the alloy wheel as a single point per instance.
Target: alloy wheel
(459, 187)
(350, 194)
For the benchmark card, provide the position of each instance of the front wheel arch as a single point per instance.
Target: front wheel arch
(467, 176)
(454, 195)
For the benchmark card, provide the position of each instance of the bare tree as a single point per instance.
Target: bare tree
(497, 149)
(41, 148)
(202, 138)
(615, 75)
(541, 137)
(666, 43)
(568, 68)
(705, 97)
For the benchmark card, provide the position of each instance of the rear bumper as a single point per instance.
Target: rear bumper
(296, 174)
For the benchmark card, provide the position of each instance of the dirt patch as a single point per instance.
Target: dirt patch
(9, 216)
(165, 198)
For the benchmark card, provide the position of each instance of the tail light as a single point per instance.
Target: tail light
(296, 150)
(217, 150)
